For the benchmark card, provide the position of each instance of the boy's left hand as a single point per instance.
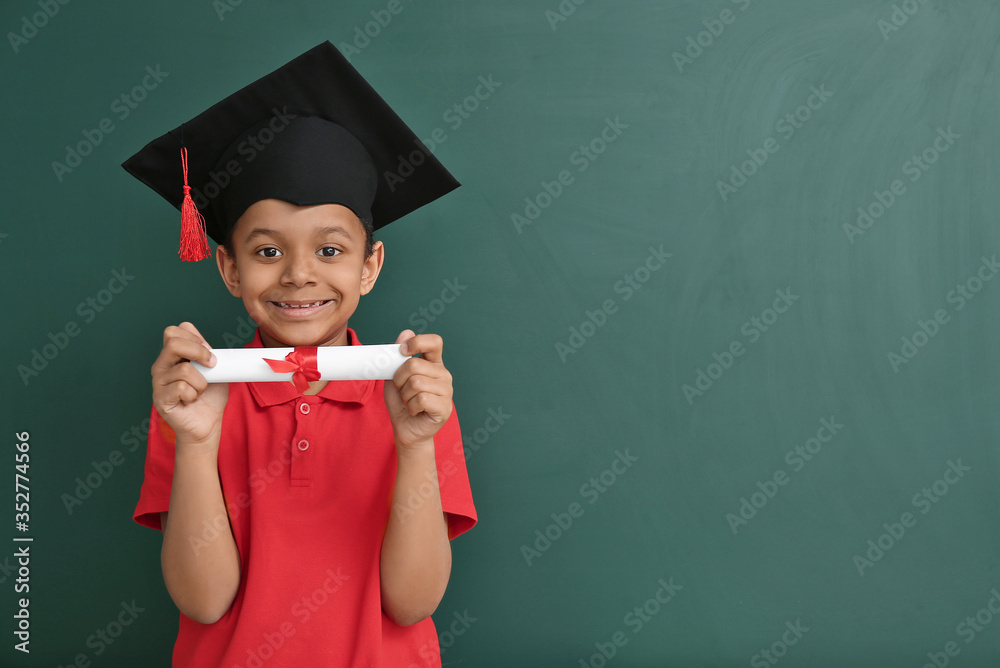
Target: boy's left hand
(419, 396)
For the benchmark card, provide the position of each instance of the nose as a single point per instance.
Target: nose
(299, 269)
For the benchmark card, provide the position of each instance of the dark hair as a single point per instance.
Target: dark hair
(369, 236)
(365, 223)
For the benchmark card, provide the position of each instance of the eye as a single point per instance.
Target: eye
(329, 251)
(269, 252)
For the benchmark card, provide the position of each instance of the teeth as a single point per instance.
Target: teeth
(284, 305)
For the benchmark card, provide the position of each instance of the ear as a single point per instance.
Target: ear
(371, 268)
(227, 269)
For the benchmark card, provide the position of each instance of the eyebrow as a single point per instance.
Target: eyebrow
(335, 230)
(260, 232)
(265, 232)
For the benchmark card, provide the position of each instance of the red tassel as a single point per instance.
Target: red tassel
(194, 241)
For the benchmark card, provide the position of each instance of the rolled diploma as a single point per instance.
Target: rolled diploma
(247, 365)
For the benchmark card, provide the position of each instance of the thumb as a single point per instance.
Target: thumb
(194, 330)
(187, 326)
(404, 335)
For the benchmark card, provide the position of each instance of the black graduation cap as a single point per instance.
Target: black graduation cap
(311, 132)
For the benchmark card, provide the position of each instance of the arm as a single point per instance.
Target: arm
(199, 558)
(416, 553)
(200, 561)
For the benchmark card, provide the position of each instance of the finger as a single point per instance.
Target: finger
(175, 395)
(429, 388)
(182, 345)
(186, 332)
(182, 332)
(178, 386)
(187, 326)
(179, 394)
(177, 354)
(181, 373)
(431, 405)
(435, 377)
(421, 366)
(430, 346)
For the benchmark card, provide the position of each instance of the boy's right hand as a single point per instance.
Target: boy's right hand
(191, 405)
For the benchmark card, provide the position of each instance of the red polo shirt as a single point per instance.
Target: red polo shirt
(308, 482)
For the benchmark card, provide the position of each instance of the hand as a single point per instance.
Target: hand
(191, 405)
(419, 396)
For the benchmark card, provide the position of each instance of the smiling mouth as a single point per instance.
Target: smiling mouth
(307, 305)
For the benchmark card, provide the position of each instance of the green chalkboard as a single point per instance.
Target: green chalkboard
(722, 316)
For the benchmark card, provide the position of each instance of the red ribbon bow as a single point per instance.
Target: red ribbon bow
(301, 361)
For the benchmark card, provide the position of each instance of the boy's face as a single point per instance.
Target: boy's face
(300, 270)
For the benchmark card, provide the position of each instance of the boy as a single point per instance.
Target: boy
(313, 527)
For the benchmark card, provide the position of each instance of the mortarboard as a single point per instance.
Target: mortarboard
(311, 132)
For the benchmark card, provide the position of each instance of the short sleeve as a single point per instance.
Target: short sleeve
(154, 496)
(453, 478)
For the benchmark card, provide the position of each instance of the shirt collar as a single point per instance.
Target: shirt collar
(271, 394)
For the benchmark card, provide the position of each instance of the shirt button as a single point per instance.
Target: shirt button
(303, 444)
(304, 408)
